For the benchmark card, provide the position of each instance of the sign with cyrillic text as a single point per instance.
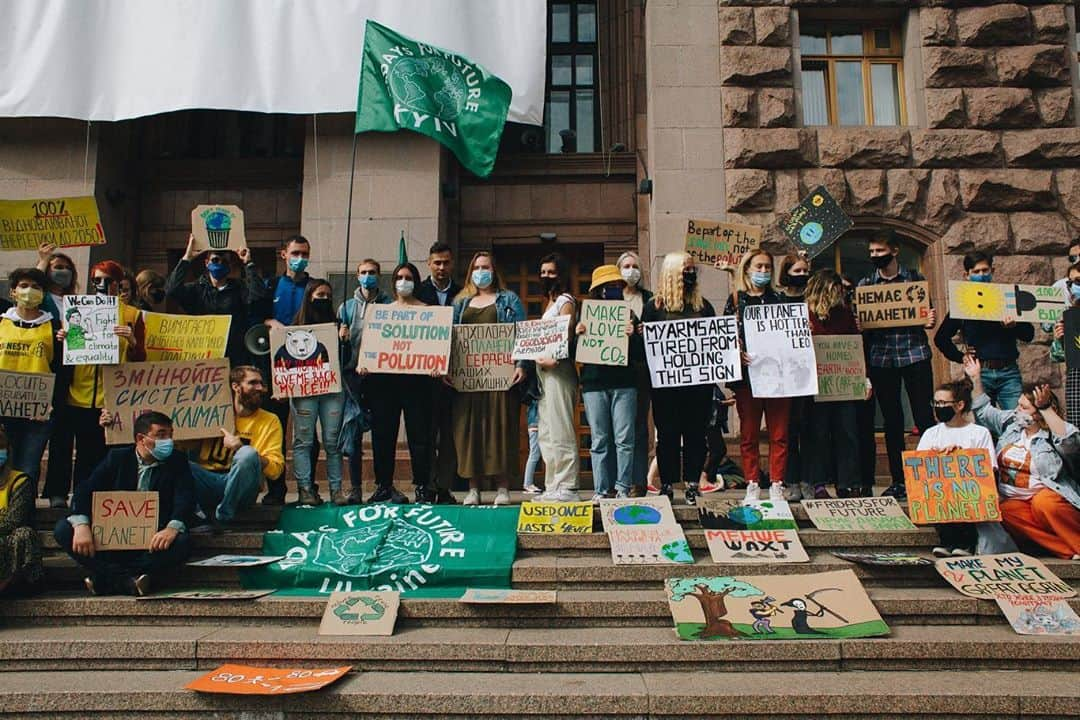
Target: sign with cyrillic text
(27, 396)
(997, 302)
(480, 357)
(185, 337)
(306, 361)
(755, 546)
(782, 360)
(694, 351)
(709, 242)
(406, 340)
(247, 680)
(542, 339)
(63, 222)
(951, 487)
(604, 341)
(886, 305)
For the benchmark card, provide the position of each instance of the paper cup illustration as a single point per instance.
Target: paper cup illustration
(218, 225)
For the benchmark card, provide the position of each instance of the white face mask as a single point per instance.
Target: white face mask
(631, 275)
(404, 287)
(1023, 420)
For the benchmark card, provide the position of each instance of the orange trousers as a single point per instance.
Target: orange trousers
(1047, 519)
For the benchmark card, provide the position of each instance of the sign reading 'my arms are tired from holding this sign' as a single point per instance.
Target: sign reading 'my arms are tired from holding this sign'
(709, 242)
(782, 360)
(885, 305)
(695, 351)
(950, 487)
(89, 324)
(604, 341)
(26, 395)
(841, 368)
(185, 337)
(406, 340)
(872, 514)
(545, 338)
(63, 222)
(480, 357)
(122, 520)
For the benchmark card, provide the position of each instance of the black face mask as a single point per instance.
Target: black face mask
(321, 305)
(796, 281)
(548, 284)
(882, 261)
(944, 414)
(101, 286)
(689, 279)
(156, 296)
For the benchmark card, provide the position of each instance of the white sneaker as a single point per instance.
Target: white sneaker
(751, 494)
(595, 499)
(960, 552)
(560, 496)
(776, 492)
(532, 489)
(502, 497)
(621, 494)
(940, 552)
(473, 498)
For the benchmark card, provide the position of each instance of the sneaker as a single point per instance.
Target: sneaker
(637, 491)
(621, 495)
(692, 494)
(596, 498)
(710, 487)
(652, 489)
(531, 489)
(473, 498)
(751, 493)
(560, 496)
(792, 493)
(502, 497)
(308, 496)
(90, 587)
(821, 493)
(424, 495)
(340, 498)
(445, 497)
(915, 431)
(388, 493)
(58, 501)
(960, 552)
(897, 491)
(354, 497)
(776, 492)
(940, 552)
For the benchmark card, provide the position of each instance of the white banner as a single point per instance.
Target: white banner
(781, 349)
(121, 59)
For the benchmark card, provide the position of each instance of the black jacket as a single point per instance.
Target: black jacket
(119, 471)
(426, 293)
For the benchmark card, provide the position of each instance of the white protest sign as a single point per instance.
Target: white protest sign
(89, 321)
(694, 351)
(545, 338)
(783, 362)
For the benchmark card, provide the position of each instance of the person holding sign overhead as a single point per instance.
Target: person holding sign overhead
(151, 466)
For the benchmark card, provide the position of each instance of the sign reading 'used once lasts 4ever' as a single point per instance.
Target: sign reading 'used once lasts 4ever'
(26, 395)
(122, 520)
(695, 351)
(885, 305)
(406, 341)
(63, 222)
(480, 357)
(604, 341)
(555, 518)
(709, 242)
(950, 487)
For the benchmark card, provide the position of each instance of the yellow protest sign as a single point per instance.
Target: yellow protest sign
(185, 337)
(64, 222)
(555, 518)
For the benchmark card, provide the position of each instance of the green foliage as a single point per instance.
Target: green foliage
(679, 588)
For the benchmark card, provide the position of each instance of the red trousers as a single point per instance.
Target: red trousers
(1048, 520)
(776, 412)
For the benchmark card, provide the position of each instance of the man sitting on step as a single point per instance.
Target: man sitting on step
(150, 466)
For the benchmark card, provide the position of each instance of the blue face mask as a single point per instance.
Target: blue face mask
(481, 278)
(369, 282)
(163, 448)
(1074, 290)
(760, 279)
(613, 292)
(3, 457)
(298, 264)
(217, 270)
(981, 278)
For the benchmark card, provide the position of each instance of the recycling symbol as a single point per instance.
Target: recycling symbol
(347, 611)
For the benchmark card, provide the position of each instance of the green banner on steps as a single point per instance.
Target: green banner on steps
(418, 550)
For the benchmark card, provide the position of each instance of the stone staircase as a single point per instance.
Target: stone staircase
(606, 649)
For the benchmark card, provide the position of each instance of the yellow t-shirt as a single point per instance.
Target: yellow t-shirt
(27, 349)
(261, 430)
(87, 387)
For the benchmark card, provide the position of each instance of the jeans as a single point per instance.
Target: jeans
(1003, 386)
(392, 396)
(831, 447)
(777, 412)
(74, 428)
(111, 567)
(222, 495)
(529, 478)
(918, 380)
(611, 415)
(681, 415)
(26, 444)
(327, 410)
(283, 409)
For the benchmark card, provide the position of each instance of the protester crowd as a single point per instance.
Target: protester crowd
(468, 442)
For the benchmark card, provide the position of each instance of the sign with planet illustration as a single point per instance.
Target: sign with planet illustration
(218, 227)
(998, 302)
(360, 613)
(643, 531)
(816, 222)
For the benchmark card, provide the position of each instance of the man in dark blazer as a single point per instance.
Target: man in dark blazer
(151, 465)
(440, 287)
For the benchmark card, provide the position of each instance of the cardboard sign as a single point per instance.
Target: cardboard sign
(643, 531)
(755, 546)
(709, 242)
(170, 338)
(872, 514)
(208, 595)
(888, 305)
(950, 487)
(841, 368)
(406, 340)
(509, 597)
(1039, 614)
(218, 227)
(555, 518)
(90, 321)
(783, 363)
(814, 606)
(247, 680)
(360, 613)
(989, 576)
(729, 514)
(605, 341)
(695, 351)
(996, 302)
(480, 357)
(306, 361)
(816, 222)
(27, 396)
(194, 393)
(236, 561)
(64, 222)
(1071, 341)
(122, 520)
(540, 339)
(884, 559)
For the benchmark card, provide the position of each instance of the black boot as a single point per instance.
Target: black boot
(665, 489)
(275, 493)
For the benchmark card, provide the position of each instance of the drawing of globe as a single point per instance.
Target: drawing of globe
(636, 515)
(745, 515)
(430, 85)
(374, 548)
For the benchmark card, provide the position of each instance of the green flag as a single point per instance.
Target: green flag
(407, 84)
(402, 253)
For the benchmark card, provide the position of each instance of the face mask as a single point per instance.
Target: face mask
(689, 279)
(369, 282)
(548, 284)
(1073, 259)
(404, 287)
(612, 292)
(760, 279)
(101, 285)
(217, 270)
(321, 304)
(28, 297)
(797, 281)
(882, 261)
(481, 278)
(981, 278)
(3, 457)
(298, 264)
(631, 275)
(156, 295)
(1023, 420)
(162, 449)
(1074, 290)
(944, 414)
(61, 277)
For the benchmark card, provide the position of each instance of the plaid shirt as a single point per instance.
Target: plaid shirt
(895, 347)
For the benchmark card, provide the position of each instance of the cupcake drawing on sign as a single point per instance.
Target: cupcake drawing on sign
(218, 224)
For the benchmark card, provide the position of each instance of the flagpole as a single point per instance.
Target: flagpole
(348, 213)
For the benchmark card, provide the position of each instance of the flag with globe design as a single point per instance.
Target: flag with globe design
(407, 84)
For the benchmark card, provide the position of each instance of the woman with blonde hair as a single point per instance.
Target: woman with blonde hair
(486, 423)
(680, 413)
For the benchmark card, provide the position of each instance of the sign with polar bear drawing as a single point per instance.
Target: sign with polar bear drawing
(305, 360)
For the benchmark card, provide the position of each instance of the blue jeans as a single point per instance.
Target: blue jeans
(1003, 386)
(26, 444)
(328, 411)
(611, 415)
(222, 495)
(534, 458)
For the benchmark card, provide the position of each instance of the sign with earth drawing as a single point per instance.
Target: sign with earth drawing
(719, 513)
(217, 227)
(643, 531)
(815, 223)
(360, 613)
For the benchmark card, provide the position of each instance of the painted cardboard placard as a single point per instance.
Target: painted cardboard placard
(885, 559)
(218, 227)
(1039, 614)
(888, 305)
(988, 576)
(709, 242)
(605, 341)
(247, 680)
(812, 606)
(543, 338)
(959, 486)
(694, 351)
(306, 361)
(755, 546)
(480, 357)
(170, 338)
(729, 514)
(643, 531)
(236, 561)
(406, 340)
(872, 514)
(209, 595)
(194, 393)
(482, 596)
(64, 222)
(997, 301)
(360, 612)
(783, 362)
(26, 395)
(1071, 341)
(542, 518)
(816, 222)
(841, 368)
(121, 520)
(89, 321)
